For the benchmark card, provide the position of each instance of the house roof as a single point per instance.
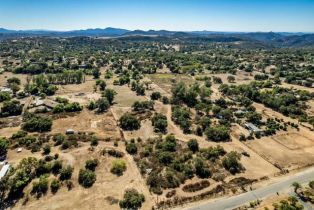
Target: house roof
(4, 170)
(252, 127)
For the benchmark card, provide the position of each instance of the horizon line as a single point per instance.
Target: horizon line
(200, 30)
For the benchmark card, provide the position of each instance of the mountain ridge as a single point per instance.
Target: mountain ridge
(279, 39)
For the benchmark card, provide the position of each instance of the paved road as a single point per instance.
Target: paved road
(260, 193)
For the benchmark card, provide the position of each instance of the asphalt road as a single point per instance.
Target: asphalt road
(260, 193)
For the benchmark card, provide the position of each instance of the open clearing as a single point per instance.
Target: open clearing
(107, 186)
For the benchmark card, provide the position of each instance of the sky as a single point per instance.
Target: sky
(176, 15)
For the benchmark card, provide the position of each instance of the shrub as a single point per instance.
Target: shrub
(132, 199)
(91, 164)
(66, 173)
(118, 167)
(218, 133)
(46, 149)
(131, 148)
(231, 162)
(11, 108)
(86, 178)
(196, 186)
(109, 94)
(155, 95)
(55, 185)
(102, 105)
(193, 145)
(143, 105)
(94, 142)
(37, 123)
(3, 146)
(56, 167)
(160, 123)
(201, 169)
(40, 187)
(129, 122)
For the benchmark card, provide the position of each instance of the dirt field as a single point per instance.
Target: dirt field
(103, 125)
(95, 197)
(6, 75)
(165, 81)
(289, 151)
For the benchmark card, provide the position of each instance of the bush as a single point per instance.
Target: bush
(56, 167)
(3, 147)
(66, 173)
(165, 100)
(143, 105)
(94, 142)
(102, 105)
(193, 145)
(155, 95)
(91, 164)
(231, 162)
(132, 200)
(36, 123)
(109, 94)
(201, 169)
(86, 178)
(196, 186)
(218, 133)
(40, 187)
(118, 167)
(55, 185)
(160, 123)
(11, 108)
(4, 96)
(46, 149)
(181, 116)
(129, 122)
(131, 148)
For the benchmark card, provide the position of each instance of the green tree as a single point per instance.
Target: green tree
(3, 147)
(109, 94)
(86, 178)
(102, 104)
(129, 122)
(40, 187)
(91, 164)
(55, 185)
(193, 145)
(132, 199)
(66, 173)
(218, 133)
(36, 123)
(231, 162)
(131, 148)
(160, 123)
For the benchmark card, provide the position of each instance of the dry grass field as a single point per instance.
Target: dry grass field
(288, 150)
(107, 188)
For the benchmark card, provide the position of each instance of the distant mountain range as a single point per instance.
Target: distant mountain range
(279, 39)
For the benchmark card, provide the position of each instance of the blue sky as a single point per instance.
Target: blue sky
(184, 15)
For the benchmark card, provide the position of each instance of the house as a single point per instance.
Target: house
(4, 169)
(253, 128)
(43, 103)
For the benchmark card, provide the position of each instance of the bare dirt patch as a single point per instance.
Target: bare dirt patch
(103, 125)
(287, 152)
